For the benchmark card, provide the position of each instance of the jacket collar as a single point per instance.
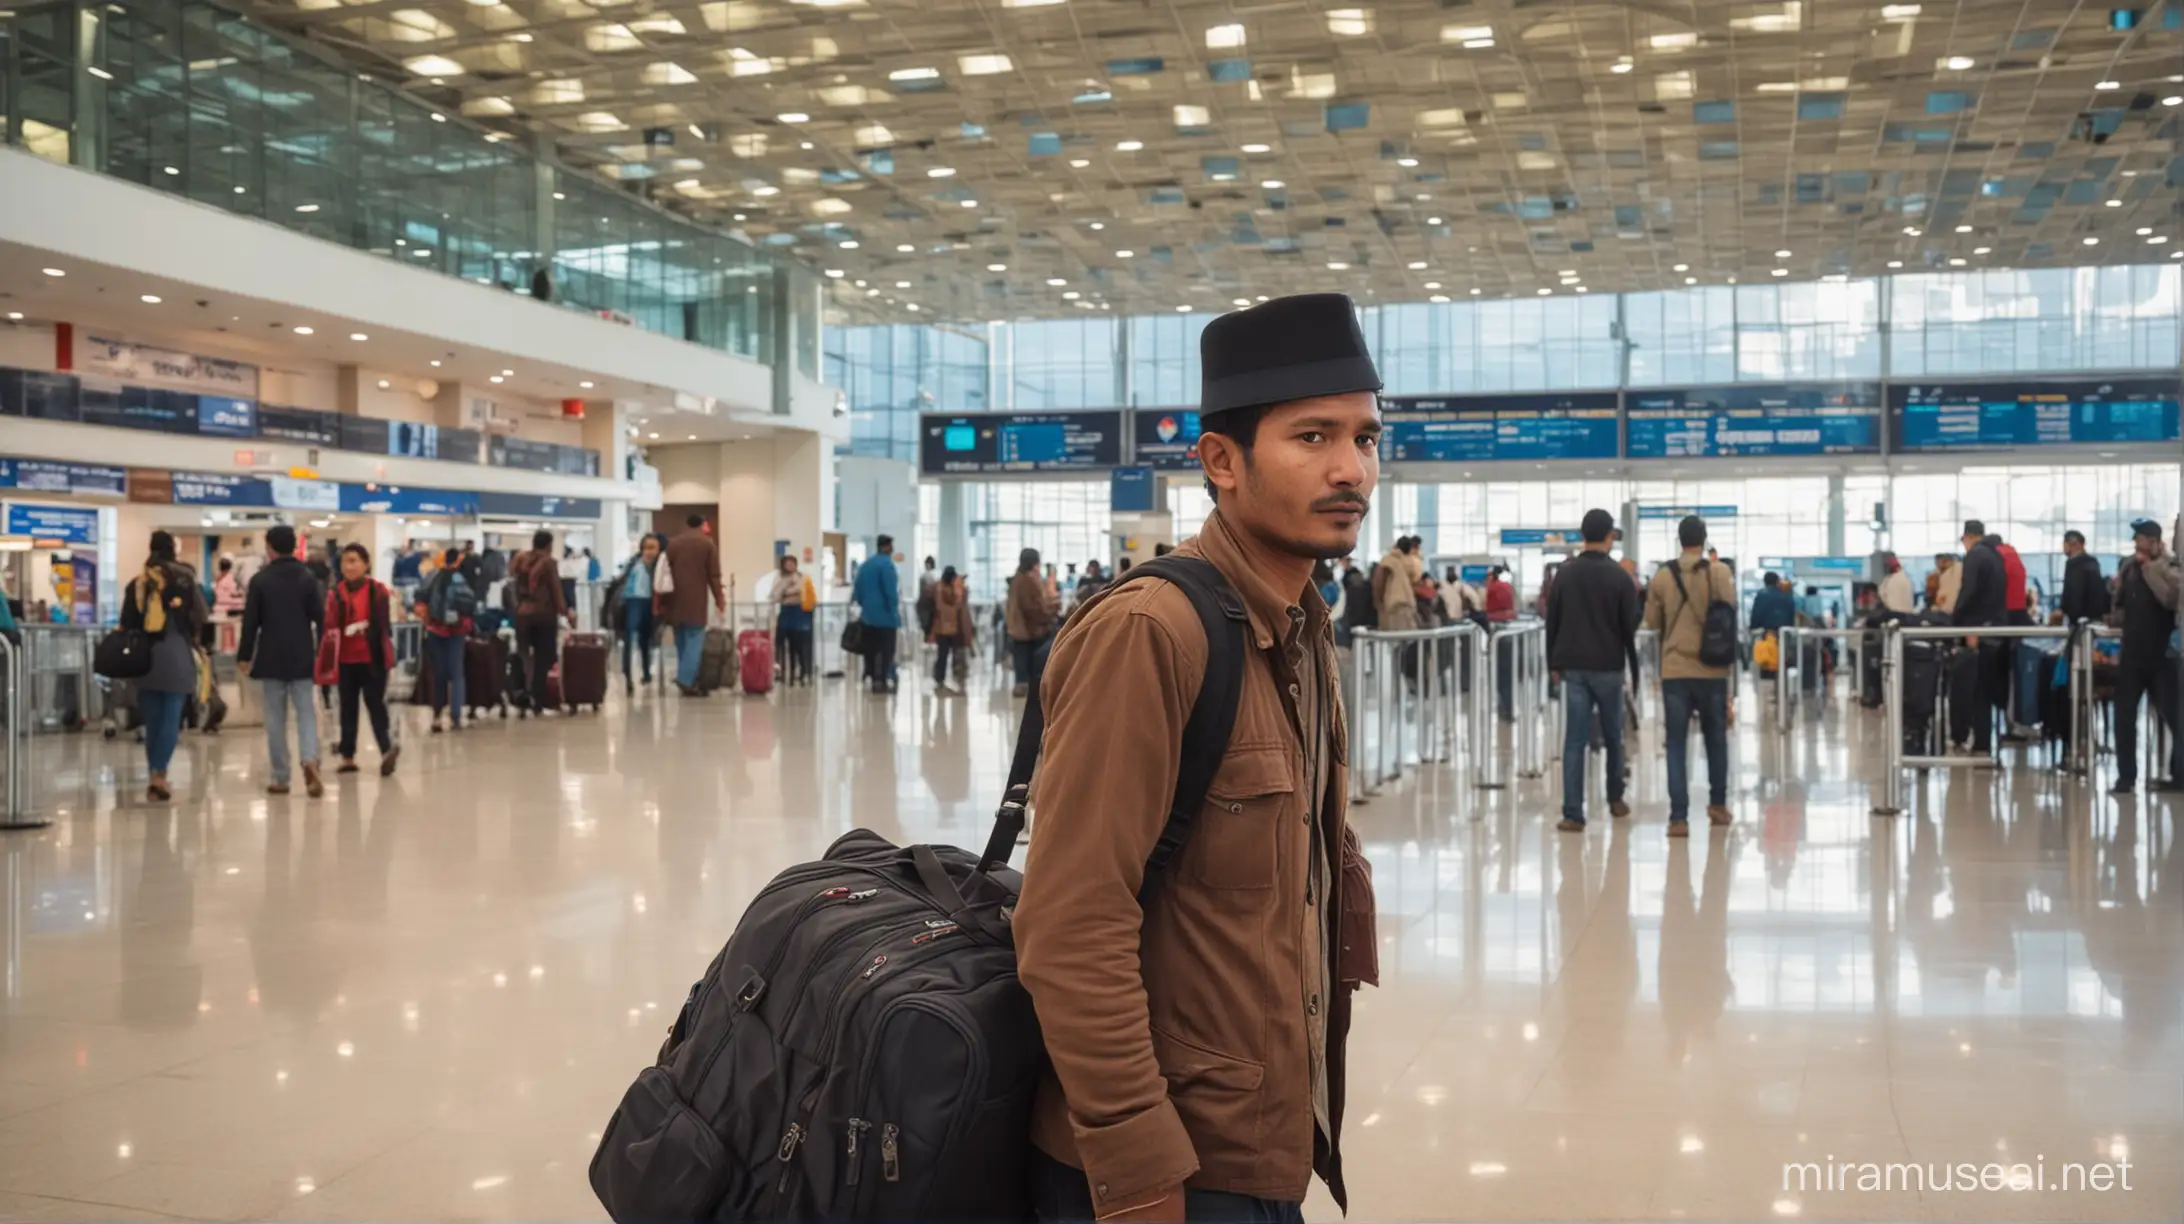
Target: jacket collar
(1274, 615)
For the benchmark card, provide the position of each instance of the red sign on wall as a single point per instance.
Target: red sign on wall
(573, 409)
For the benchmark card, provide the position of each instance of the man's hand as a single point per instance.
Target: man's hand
(1167, 1209)
(571, 617)
(720, 604)
(242, 668)
(1972, 640)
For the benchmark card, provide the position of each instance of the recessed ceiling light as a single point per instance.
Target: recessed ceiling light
(988, 64)
(848, 244)
(1681, 268)
(1475, 293)
(1899, 12)
(997, 267)
(435, 363)
(765, 189)
(1055, 281)
(1690, 280)
(904, 248)
(149, 299)
(1416, 265)
(1258, 148)
(240, 189)
(1337, 265)
(53, 272)
(307, 208)
(2115, 203)
(1957, 63)
(1406, 162)
(835, 273)
(586, 384)
(1438, 297)
(902, 284)
(2105, 86)
(384, 384)
(2157, 240)
(2144, 230)
(358, 336)
(15, 316)
(653, 436)
(793, 117)
(1433, 284)
(1913, 230)
(1781, 254)
(495, 378)
(2173, 100)
(1621, 66)
(940, 172)
(914, 74)
(2092, 242)
(1273, 184)
(1546, 292)
(1956, 262)
(1128, 146)
(970, 203)
(1781, 272)
(1078, 163)
(1125, 254)
(174, 169)
(508, 373)
(1071, 296)
(302, 331)
(1963, 229)
(1982, 250)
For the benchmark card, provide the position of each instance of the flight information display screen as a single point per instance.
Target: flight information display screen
(1166, 438)
(2000, 415)
(1000, 443)
(1483, 429)
(1777, 419)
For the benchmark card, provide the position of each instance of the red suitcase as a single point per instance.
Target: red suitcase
(754, 653)
(485, 664)
(583, 671)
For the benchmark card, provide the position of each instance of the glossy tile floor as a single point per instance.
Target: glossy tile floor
(420, 997)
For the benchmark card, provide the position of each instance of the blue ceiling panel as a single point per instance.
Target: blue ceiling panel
(1045, 144)
(2084, 193)
(1629, 216)
(1816, 107)
(1219, 169)
(1960, 184)
(1144, 65)
(1812, 188)
(1852, 182)
(1348, 116)
(1949, 102)
(1229, 71)
(2036, 150)
(2043, 196)
(1717, 150)
(1714, 112)
(1535, 208)
(2032, 40)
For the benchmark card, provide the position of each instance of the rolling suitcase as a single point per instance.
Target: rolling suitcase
(1921, 695)
(716, 659)
(2030, 668)
(1967, 704)
(754, 655)
(583, 671)
(485, 663)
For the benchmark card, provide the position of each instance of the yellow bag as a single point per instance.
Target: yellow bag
(811, 597)
(1766, 653)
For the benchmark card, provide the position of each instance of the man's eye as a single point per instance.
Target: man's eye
(1369, 441)
(1312, 435)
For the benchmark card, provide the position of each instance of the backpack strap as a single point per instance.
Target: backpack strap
(1205, 733)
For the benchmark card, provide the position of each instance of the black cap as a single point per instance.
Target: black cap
(1291, 348)
(2146, 527)
(1598, 526)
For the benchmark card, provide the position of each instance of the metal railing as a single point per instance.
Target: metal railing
(1793, 644)
(60, 691)
(1894, 635)
(2086, 743)
(1411, 683)
(1525, 644)
(15, 795)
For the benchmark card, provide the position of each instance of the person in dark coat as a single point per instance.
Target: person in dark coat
(166, 603)
(2085, 592)
(692, 570)
(2147, 591)
(284, 614)
(1982, 601)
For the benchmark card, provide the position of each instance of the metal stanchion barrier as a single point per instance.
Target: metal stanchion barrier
(1384, 709)
(1895, 635)
(1523, 642)
(1795, 643)
(15, 806)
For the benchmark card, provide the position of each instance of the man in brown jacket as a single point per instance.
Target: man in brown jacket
(693, 562)
(1197, 1035)
(541, 606)
(1676, 603)
(1029, 617)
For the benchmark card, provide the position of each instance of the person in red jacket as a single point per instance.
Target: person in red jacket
(1501, 598)
(358, 614)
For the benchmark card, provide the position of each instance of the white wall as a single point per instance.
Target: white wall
(774, 487)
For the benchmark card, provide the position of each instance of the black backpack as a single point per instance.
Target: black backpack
(862, 1049)
(1718, 627)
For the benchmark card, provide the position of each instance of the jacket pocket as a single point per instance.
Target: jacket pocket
(1189, 1066)
(658, 1163)
(1236, 842)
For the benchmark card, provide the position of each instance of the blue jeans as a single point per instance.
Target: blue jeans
(162, 715)
(449, 684)
(638, 634)
(1059, 1193)
(689, 644)
(1710, 699)
(279, 696)
(1586, 694)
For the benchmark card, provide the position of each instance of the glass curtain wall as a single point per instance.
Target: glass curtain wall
(199, 102)
(893, 373)
(1067, 521)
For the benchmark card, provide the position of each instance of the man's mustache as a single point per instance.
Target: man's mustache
(1341, 501)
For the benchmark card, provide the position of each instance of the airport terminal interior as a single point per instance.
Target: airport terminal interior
(475, 303)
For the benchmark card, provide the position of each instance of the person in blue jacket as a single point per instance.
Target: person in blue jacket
(878, 596)
(1774, 607)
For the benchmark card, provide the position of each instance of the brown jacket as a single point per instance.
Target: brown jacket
(1681, 624)
(695, 560)
(1030, 614)
(948, 614)
(538, 584)
(1178, 1032)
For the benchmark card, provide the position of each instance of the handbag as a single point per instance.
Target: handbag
(853, 638)
(326, 669)
(123, 654)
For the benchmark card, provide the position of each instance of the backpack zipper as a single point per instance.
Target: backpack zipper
(890, 1153)
(857, 1127)
(791, 1139)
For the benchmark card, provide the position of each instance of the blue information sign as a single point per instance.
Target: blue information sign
(42, 476)
(1132, 490)
(1777, 419)
(1541, 537)
(1005, 442)
(1166, 438)
(1483, 429)
(220, 489)
(68, 524)
(2000, 415)
(226, 417)
(402, 499)
(1678, 512)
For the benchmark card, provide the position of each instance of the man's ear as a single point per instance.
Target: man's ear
(1222, 457)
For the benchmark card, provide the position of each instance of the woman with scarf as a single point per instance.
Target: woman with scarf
(628, 613)
(166, 603)
(359, 619)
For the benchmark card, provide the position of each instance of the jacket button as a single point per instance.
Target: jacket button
(1311, 1006)
(1235, 807)
(1102, 1188)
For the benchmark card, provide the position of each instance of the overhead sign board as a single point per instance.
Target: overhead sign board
(2005, 415)
(1772, 420)
(1492, 428)
(1001, 443)
(1165, 438)
(54, 524)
